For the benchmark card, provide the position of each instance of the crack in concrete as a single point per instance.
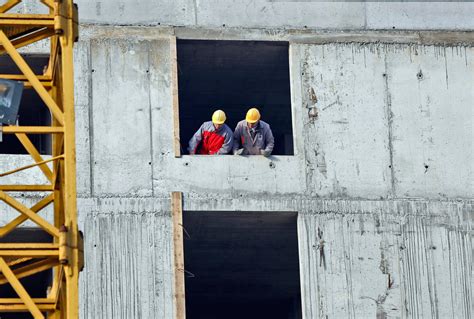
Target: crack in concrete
(389, 114)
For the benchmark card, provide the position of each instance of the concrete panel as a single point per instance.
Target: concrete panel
(161, 101)
(177, 12)
(82, 72)
(298, 113)
(423, 15)
(385, 258)
(121, 142)
(431, 94)
(229, 175)
(83, 151)
(280, 14)
(420, 15)
(347, 149)
(82, 94)
(380, 265)
(128, 270)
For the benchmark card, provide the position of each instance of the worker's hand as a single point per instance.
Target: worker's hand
(239, 151)
(265, 153)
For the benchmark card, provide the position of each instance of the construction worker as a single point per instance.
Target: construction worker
(213, 137)
(253, 136)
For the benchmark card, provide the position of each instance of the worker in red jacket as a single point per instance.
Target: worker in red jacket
(213, 137)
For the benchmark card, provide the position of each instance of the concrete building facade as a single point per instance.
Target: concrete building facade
(382, 176)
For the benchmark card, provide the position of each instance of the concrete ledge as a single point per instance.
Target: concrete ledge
(396, 207)
(308, 36)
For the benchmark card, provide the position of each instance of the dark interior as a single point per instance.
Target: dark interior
(235, 76)
(32, 111)
(36, 285)
(241, 265)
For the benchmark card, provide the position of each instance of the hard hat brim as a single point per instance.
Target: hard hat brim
(252, 121)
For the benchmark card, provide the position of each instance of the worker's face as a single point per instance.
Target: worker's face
(252, 125)
(217, 126)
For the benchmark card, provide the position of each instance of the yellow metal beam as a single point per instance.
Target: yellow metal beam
(19, 301)
(23, 308)
(20, 77)
(34, 36)
(32, 78)
(20, 290)
(36, 253)
(20, 246)
(12, 129)
(12, 261)
(31, 149)
(31, 269)
(45, 81)
(26, 188)
(69, 190)
(29, 213)
(22, 218)
(9, 5)
(56, 88)
(12, 20)
(48, 3)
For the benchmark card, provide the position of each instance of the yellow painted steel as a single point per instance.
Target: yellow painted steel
(64, 254)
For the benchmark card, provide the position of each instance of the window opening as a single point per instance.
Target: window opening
(241, 265)
(37, 284)
(235, 76)
(32, 110)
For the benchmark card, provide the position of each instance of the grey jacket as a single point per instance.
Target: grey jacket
(263, 139)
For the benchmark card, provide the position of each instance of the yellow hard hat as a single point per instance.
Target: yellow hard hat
(218, 117)
(253, 115)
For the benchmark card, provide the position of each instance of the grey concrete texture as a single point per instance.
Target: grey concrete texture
(404, 103)
(382, 179)
(269, 14)
(282, 14)
(410, 106)
(128, 271)
(358, 258)
(380, 234)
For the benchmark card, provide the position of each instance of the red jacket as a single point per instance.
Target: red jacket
(207, 140)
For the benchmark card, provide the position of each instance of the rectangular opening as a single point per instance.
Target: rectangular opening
(32, 111)
(241, 265)
(36, 285)
(235, 76)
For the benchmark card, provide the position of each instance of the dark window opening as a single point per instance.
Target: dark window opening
(32, 111)
(241, 265)
(37, 284)
(235, 76)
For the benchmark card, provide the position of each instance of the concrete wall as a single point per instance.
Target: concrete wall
(382, 178)
(282, 14)
(290, 14)
(380, 233)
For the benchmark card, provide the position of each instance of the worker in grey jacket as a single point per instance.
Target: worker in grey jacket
(253, 136)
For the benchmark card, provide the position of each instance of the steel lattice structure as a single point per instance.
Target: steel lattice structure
(64, 255)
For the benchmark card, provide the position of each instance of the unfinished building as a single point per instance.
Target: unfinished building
(365, 209)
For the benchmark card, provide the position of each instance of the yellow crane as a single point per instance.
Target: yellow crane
(64, 254)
